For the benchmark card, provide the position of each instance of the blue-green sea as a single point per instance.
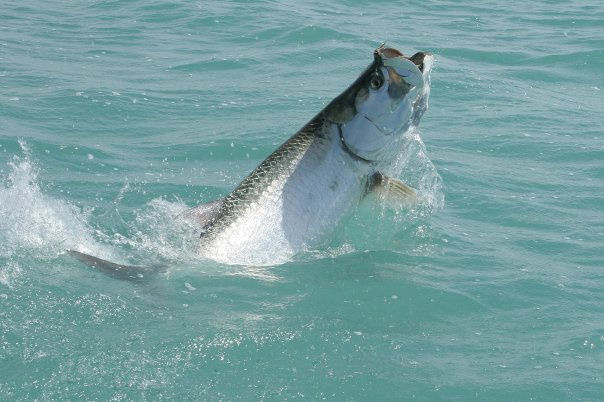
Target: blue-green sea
(116, 116)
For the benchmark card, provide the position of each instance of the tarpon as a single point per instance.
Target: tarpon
(300, 193)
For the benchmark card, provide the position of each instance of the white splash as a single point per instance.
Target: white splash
(158, 233)
(415, 168)
(34, 223)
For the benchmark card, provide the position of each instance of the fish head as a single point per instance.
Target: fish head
(384, 103)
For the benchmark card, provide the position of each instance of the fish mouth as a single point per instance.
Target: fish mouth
(423, 60)
(420, 59)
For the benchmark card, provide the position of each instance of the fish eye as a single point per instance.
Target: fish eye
(376, 81)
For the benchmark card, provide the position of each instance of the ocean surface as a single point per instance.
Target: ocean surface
(116, 116)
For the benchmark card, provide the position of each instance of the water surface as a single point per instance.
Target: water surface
(115, 116)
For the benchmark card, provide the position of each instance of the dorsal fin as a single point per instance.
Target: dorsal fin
(203, 214)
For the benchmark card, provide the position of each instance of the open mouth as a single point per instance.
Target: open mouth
(418, 59)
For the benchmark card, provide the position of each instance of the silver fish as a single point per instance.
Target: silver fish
(296, 197)
(299, 194)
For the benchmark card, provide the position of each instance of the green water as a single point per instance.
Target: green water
(115, 116)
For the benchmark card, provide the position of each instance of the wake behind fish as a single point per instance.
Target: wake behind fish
(38, 226)
(35, 224)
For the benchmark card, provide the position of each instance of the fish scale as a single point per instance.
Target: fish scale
(305, 188)
(302, 191)
(297, 196)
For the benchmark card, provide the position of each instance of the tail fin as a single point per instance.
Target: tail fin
(128, 272)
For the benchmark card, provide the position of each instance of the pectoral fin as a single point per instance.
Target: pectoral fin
(390, 189)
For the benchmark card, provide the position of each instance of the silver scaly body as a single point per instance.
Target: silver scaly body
(290, 201)
(297, 196)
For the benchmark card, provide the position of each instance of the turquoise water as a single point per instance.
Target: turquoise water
(115, 116)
